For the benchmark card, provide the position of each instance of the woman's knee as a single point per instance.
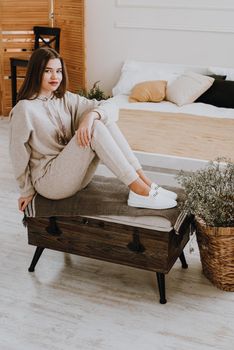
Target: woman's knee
(98, 127)
(97, 123)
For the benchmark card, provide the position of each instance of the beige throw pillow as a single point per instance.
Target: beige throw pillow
(188, 87)
(148, 91)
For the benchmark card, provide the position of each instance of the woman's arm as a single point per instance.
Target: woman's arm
(79, 106)
(84, 132)
(20, 151)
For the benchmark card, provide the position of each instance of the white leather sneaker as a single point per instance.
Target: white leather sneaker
(154, 200)
(163, 191)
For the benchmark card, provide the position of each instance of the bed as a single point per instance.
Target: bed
(166, 135)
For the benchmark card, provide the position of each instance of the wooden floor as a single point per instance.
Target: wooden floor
(71, 302)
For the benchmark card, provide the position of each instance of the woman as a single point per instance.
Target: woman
(57, 139)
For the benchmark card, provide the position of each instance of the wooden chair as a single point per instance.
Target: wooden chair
(44, 36)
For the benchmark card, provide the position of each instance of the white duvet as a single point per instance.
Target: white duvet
(201, 109)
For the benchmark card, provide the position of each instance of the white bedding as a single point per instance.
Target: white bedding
(133, 72)
(201, 109)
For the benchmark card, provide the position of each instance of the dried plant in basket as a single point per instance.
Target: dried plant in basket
(209, 193)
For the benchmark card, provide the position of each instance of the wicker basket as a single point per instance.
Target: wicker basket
(216, 245)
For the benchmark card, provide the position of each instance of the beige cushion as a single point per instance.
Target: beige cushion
(149, 91)
(188, 87)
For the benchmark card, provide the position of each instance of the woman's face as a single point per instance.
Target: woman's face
(51, 77)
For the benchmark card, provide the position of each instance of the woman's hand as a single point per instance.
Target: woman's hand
(23, 202)
(84, 132)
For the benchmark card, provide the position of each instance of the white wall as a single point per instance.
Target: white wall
(199, 32)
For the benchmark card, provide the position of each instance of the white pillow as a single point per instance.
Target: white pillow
(129, 79)
(134, 72)
(229, 72)
(187, 88)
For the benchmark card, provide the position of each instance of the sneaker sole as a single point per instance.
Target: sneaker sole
(147, 207)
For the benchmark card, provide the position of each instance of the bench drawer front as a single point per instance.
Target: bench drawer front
(122, 244)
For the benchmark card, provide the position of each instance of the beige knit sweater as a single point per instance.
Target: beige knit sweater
(34, 129)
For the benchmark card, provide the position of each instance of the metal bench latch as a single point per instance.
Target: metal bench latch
(135, 245)
(53, 228)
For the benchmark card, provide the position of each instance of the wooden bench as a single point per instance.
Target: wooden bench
(148, 243)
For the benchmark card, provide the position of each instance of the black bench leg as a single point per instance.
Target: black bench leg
(35, 259)
(183, 261)
(161, 287)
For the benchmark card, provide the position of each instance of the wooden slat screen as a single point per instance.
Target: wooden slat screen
(17, 19)
(1, 64)
(69, 16)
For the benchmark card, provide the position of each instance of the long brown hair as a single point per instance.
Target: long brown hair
(32, 83)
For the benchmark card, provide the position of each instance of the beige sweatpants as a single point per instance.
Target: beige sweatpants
(75, 166)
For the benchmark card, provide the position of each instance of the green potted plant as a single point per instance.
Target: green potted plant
(209, 196)
(94, 92)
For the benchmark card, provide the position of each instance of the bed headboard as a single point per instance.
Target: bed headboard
(134, 72)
